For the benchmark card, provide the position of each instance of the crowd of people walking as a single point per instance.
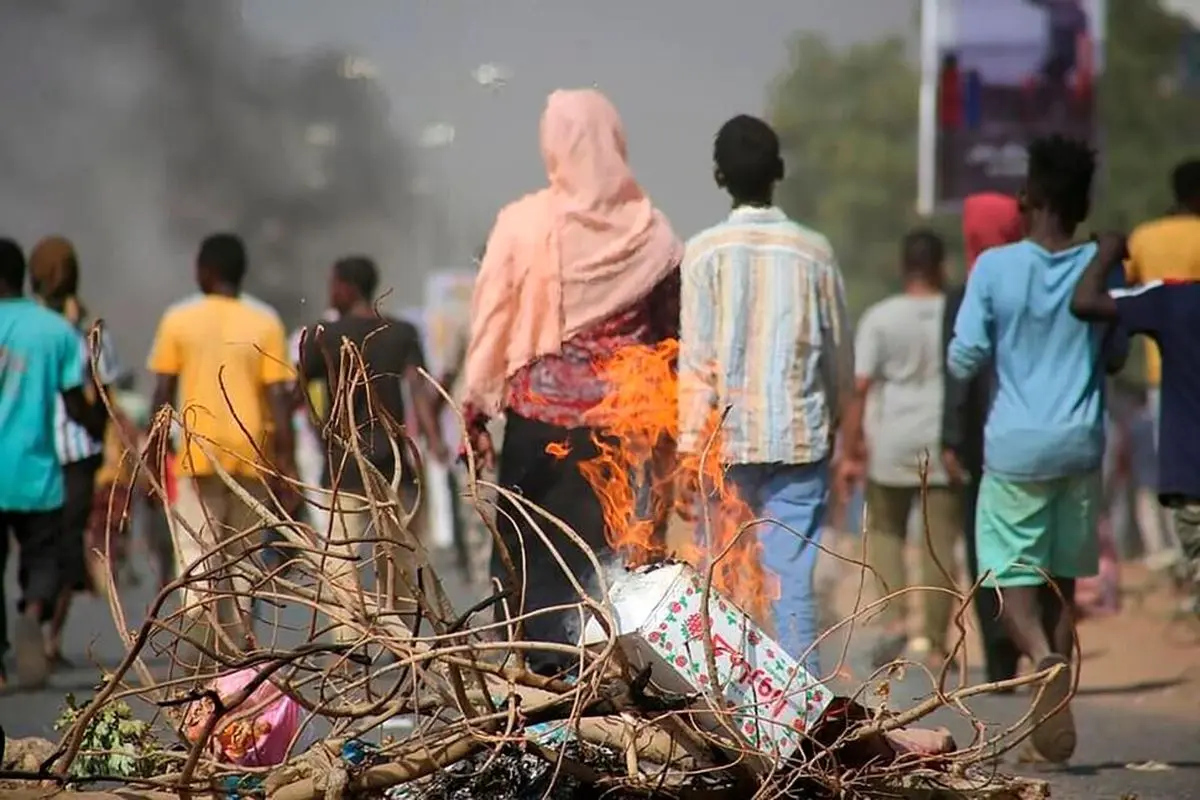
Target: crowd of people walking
(983, 405)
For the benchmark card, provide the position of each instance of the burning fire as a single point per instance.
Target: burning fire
(639, 419)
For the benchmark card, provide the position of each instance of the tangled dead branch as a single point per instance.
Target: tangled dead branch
(382, 641)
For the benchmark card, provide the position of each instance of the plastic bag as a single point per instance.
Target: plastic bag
(256, 733)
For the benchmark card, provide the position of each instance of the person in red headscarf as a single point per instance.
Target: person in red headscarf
(989, 220)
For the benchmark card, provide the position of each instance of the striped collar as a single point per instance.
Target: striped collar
(757, 214)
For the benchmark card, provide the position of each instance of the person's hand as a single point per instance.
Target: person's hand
(848, 472)
(1112, 246)
(480, 442)
(954, 468)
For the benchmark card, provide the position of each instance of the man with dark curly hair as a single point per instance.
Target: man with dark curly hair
(1044, 439)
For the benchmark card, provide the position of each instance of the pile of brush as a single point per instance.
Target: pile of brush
(392, 691)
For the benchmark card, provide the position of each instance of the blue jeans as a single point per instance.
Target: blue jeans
(794, 495)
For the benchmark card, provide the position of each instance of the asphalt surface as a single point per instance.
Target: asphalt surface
(1112, 737)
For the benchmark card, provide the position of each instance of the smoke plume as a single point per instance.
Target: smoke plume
(136, 127)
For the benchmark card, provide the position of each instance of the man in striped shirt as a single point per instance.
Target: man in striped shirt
(764, 331)
(54, 275)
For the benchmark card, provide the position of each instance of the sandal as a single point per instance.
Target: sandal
(1054, 736)
(32, 666)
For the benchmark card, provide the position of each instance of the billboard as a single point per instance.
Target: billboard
(997, 74)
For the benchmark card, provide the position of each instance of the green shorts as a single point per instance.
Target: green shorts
(1027, 530)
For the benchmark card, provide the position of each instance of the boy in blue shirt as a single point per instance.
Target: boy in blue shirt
(1044, 439)
(1169, 313)
(40, 359)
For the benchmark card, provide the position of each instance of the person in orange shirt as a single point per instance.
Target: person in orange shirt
(221, 360)
(1167, 249)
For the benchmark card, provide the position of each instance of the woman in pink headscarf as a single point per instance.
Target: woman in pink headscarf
(571, 274)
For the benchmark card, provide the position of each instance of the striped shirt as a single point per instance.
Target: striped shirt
(71, 440)
(764, 331)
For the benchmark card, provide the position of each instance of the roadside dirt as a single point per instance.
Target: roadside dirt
(1144, 657)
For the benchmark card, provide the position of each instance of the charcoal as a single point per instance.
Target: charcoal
(518, 775)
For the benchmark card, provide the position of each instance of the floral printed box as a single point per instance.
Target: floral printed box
(771, 699)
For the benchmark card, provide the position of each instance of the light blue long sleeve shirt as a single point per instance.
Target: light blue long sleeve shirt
(1046, 418)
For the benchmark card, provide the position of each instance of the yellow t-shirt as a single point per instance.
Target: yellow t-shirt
(1165, 249)
(225, 352)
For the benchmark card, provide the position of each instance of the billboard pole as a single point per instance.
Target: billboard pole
(927, 125)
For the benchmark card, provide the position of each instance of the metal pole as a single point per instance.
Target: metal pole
(927, 125)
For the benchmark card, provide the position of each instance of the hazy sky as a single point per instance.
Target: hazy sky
(675, 68)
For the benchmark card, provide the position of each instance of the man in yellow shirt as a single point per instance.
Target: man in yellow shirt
(221, 360)
(1168, 249)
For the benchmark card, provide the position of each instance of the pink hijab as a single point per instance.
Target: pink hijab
(562, 259)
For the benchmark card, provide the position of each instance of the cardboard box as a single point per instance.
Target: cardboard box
(769, 696)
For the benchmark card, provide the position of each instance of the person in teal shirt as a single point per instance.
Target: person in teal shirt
(40, 359)
(1044, 438)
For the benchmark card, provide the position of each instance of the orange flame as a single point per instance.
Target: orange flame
(639, 420)
(558, 449)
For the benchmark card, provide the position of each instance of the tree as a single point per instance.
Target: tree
(1149, 122)
(848, 121)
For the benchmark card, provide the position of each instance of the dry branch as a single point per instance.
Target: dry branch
(403, 650)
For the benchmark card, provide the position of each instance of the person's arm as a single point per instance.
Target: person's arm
(1092, 300)
(71, 374)
(312, 376)
(422, 394)
(837, 343)
(972, 346)
(277, 376)
(90, 415)
(493, 310)
(664, 308)
(698, 310)
(165, 362)
(1116, 338)
(868, 367)
(956, 393)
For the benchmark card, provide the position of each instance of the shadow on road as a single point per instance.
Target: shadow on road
(1121, 766)
(1130, 688)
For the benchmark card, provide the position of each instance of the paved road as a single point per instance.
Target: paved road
(1111, 737)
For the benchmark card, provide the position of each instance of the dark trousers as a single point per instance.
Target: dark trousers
(556, 485)
(39, 538)
(79, 482)
(999, 653)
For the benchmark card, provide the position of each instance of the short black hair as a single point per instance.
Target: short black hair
(1059, 178)
(922, 253)
(1185, 183)
(225, 255)
(12, 265)
(746, 154)
(359, 272)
